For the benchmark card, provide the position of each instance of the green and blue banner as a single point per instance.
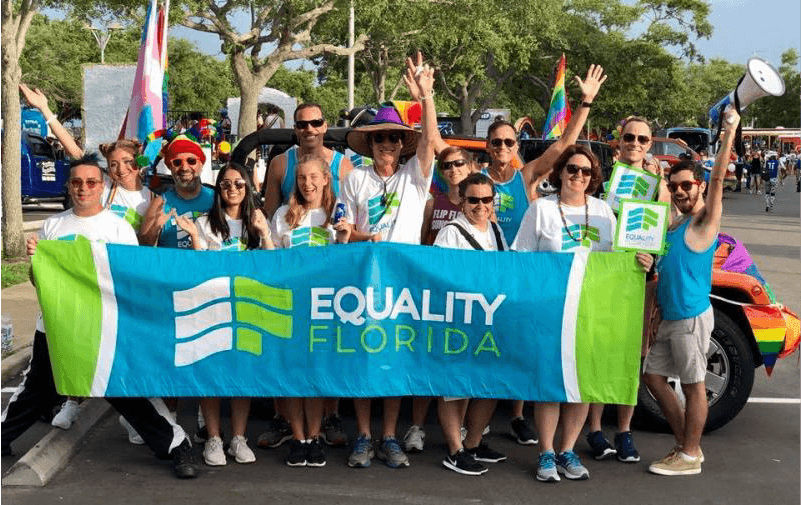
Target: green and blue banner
(358, 320)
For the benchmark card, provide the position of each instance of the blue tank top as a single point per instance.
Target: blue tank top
(171, 235)
(288, 183)
(685, 277)
(772, 168)
(511, 203)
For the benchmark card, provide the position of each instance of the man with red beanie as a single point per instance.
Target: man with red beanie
(189, 198)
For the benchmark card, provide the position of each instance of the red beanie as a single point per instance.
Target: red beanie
(183, 144)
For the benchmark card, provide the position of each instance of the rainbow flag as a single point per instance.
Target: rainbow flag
(146, 113)
(559, 111)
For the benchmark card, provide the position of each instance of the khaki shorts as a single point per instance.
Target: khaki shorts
(680, 348)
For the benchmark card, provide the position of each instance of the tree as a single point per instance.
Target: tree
(197, 81)
(284, 27)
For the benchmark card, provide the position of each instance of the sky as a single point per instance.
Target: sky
(741, 29)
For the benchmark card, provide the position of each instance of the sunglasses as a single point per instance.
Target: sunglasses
(228, 184)
(178, 163)
(686, 186)
(393, 137)
(447, 165)
(630, 137)
(314, 123)
(90, 183)
(473, 200)
(500, 142)
(574, 169)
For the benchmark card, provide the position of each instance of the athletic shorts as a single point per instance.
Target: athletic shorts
(680, 348)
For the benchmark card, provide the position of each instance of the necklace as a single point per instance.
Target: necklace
(583, 234)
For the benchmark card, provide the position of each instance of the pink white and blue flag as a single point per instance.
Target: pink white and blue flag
(146, 113)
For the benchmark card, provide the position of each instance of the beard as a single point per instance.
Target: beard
(686, 206)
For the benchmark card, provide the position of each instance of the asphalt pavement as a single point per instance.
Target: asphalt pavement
(754, 459)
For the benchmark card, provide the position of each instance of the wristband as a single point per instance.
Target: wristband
(586, 104)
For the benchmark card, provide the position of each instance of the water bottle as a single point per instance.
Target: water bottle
(8, 335)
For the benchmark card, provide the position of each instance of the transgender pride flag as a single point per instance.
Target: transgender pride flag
(149, 94)
(559, 111)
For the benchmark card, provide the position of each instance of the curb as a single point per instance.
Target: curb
(55, 449)
(15, 363)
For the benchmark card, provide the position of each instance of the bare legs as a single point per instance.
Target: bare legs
(240, 409)
(570, 417)
(687, 425)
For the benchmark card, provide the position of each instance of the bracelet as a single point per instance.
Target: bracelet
(427, 97)
(51, 118)
(586, 104)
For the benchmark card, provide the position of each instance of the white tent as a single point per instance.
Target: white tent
(267, 95)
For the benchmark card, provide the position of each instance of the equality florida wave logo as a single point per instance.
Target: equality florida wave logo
(632, 185)
(577, 230)
(504, 202)
(382, 205)
(229, 314)
(641, 219)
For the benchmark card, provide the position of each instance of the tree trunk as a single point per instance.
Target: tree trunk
(468, 128)
(248, 94)
(13, 237)
(382, 75)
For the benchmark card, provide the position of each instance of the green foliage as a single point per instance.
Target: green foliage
(197, 81)
(770, 112)
(15, 272)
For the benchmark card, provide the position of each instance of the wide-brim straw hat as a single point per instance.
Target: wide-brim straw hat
(386, 119)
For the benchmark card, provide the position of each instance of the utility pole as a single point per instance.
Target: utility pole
(351, 56)
(102, 37)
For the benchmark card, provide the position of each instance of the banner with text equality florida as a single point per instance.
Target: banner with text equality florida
(361, 320)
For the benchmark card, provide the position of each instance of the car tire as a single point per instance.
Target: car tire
(730, 377)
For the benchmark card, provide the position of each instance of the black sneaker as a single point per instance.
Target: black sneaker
(626, 452)
(599, 445)
(464, 463)
(278, 431)
(484, 454)
(315, 456)
(183, 461)
(297, 453)
(523, 432)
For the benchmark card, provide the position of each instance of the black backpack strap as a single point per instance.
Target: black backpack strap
(466, 236)
(498, 240)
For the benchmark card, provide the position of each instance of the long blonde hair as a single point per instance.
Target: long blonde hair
(297, 204)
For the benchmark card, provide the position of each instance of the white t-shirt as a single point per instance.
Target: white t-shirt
(451, 237)
(214, 242)
(129, 205)
(542, 228)
(404, 194)
(309, 232)
(102, 227)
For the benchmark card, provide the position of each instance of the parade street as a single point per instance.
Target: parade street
(754, 459)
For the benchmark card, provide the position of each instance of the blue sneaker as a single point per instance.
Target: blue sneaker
(601, 448)
(546, 467)
(569, 465)
(362, 452)
(390, 452)
(624, 443)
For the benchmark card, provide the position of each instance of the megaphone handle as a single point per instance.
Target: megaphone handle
(738, 137)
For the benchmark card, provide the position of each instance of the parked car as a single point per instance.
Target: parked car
(44, 170)
(751, 329)
(671, 151)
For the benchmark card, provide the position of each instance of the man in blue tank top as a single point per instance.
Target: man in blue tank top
(310, 128)
(189, 198)
(685, 281)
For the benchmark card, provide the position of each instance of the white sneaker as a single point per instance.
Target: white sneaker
(66, 416)
(414, 439)
(240, 451)
(213, 453)
(133, 437)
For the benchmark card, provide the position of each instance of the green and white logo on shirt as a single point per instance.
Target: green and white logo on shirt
(311, 236)
(504, 202)
(229, 314)
(577, 231)
(376, 211)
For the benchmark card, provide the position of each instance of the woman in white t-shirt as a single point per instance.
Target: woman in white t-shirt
(566, 221)
(472, 229)
(233, 223)
(124, 194)
(307, 220)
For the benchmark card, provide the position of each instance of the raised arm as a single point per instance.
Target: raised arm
(423, 76)
(414, 90)
(705, 227)
(36, 98)
(538, 168)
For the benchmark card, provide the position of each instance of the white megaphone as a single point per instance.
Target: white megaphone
(761, 79)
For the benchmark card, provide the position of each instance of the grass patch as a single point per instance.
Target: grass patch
(15, 272)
